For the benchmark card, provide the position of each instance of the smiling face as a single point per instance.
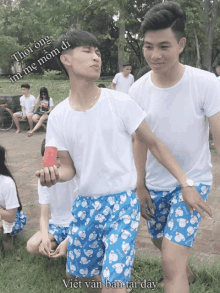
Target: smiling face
(83, 61)
(162, 49)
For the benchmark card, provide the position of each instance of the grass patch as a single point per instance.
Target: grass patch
(58, 89)
(22, 272)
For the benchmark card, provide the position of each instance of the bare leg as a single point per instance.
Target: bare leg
(158, 243)
(30, 121)
(35, 241)
(174, 262)
(39, 123)
(16, 116)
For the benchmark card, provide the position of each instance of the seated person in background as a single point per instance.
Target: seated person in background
(12, 219)
(46, 106)
(54, 231)
(123, 80)
(27, 103)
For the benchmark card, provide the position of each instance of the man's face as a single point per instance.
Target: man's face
(25, 91)
(161, 50)
(85, 62)
(126, 70)
(218, 70)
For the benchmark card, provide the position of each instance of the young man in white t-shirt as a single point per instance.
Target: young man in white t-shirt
(180, 101)
(27, 102)
(57, 201)
(93, 129)
(123, 80)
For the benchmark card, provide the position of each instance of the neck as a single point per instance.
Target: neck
(169, 78)
(82, 93)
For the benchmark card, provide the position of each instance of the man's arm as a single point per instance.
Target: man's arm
(214, 122)
(113, 85)
(140, 149)
(51, 175)
(8, 215)
(44, 228)
(23, 111)
(163, 155)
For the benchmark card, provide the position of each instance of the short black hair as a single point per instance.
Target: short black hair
(126, 64)
(73, 39)
(26, 85)
(101, 85)
(43, 147)
(165, 15)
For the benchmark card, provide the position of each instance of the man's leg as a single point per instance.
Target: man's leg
(35, 241)
(174, 262)
(16, 116)
(158, 243)
(30, 121)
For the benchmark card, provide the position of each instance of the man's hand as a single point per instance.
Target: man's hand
(48, 176)
(61, 250)
(24, 117)
(194, 201)
(144, 198)
(45, 247)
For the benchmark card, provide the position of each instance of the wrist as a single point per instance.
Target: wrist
(187, 183)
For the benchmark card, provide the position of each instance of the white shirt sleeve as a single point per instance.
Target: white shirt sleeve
(54, 131)
(115, 79)
(132, 115)
(51, 102)
(10, 195)
(211, 102)
(43, 194)
(22, 101)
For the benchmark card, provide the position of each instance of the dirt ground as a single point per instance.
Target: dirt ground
(24, 159)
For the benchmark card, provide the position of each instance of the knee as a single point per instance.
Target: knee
(29, 116)
(32, 248)
(35, 119)
(15, 115)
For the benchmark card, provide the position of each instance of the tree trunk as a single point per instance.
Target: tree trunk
(210, 17)
(198, 65)
(121, 42)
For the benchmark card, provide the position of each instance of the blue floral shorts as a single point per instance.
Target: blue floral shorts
(19, 223)
(102, 236)
(172, 218)
(59, 233)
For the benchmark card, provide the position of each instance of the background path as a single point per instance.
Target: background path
(24, 158)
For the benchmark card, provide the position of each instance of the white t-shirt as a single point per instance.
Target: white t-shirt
(60, 197)
(45, 105)
(99, 142)
(178, 117)
(123, 83)
(8, 194)
(27, 103)
(218, 78)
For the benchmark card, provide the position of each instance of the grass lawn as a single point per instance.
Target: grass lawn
(58, 89)
(22, 272)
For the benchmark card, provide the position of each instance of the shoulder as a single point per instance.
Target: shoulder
(7, 182)
(141, 82)
(60, 109)
(32, 97)
(201, 75)
(116, 96)
(21, 98)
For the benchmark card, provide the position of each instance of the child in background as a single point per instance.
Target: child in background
(46, 106)
(52, 232)
(27, 102)
(12, 219)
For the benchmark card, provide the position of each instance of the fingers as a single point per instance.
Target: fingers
(48, 176)
(206, 207)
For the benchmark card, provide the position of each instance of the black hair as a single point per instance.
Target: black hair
(43, 147)
(126, 64)
(26, 85)
(71, 40)
(165, 15)
(44, 90)
(101, 85)
(6, 172)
